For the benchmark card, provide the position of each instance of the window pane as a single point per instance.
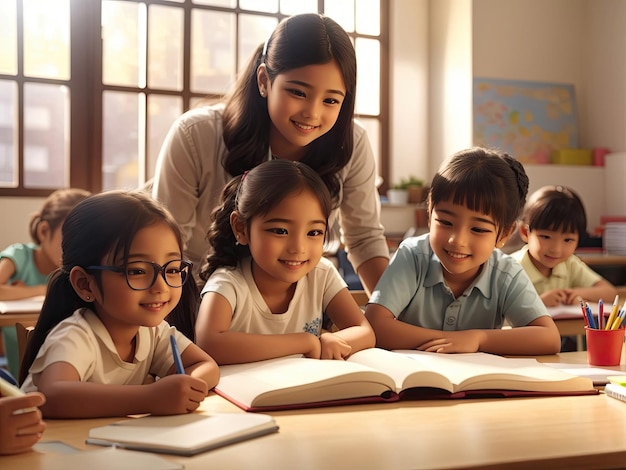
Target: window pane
(253, 30)
(165, 53)
(270, 6)
(122, 139)
(47, 38)
(372, 126)
(368, 17)
(122, 55)
(46, 136)
(368, 79)
(342, 11)
(212, 51)
(295, 7)
(162, 111)
(217, 3)
(8, 150)
(8, 38)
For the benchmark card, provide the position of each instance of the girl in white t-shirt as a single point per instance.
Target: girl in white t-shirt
(267, 282)
(101, 346)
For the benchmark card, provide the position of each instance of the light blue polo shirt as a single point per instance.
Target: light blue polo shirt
(413, 289)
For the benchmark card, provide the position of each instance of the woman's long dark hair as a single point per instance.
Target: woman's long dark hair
(99, 226)
(256, 193)
(298, 41)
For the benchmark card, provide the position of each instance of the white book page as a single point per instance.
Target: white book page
(471, 371)
(286, 381)
(479, 371)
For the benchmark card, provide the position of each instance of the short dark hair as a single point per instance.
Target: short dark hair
(484, 180)
(555, 208)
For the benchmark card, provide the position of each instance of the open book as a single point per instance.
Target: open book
(377, 375)
(186, 434)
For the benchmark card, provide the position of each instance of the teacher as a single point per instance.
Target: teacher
(294, 100)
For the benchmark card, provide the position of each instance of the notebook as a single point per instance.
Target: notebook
(616, 391)
(186, 434)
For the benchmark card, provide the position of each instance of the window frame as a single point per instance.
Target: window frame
(87, 89)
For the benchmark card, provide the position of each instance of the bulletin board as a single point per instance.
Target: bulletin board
(528, 120)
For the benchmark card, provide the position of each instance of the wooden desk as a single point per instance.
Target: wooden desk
(25, 311)
(602, 259)
(548, 432)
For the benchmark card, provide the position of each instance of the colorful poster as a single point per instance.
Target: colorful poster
(528, 120)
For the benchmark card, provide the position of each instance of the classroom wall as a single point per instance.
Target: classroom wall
(582, 42)
(450, 86)
(408, 77)
(15, 213)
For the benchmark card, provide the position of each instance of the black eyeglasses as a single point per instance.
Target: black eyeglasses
(141, 275)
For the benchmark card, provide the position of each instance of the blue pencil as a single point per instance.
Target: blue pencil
(592, 322)
(178, 362)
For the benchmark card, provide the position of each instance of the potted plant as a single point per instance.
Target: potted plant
(415, 188)
(408, 190)
(398, 194)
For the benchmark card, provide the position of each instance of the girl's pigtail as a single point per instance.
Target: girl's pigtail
(225, 249)
(520, 176)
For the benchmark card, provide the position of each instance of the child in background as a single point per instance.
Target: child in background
(101, 338)
(449, 291)
(25, 267)
(267, 282)
(552, 224)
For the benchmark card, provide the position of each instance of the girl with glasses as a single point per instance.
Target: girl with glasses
(101, 346)
(267, 281)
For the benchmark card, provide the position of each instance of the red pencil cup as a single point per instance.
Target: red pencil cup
(604, 347)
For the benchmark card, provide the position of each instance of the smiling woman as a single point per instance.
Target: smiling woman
(295, 100)
(96, 84)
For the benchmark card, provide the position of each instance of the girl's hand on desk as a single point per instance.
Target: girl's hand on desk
(315, 350)
(467, 341)
(177, 394)
(334, 347)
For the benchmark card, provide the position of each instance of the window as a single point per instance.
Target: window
(89, 88)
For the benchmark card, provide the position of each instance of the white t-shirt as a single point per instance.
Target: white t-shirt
(83, 342)
(252, 315)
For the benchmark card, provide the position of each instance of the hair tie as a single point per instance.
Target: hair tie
(243, 177)
(267, 41)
